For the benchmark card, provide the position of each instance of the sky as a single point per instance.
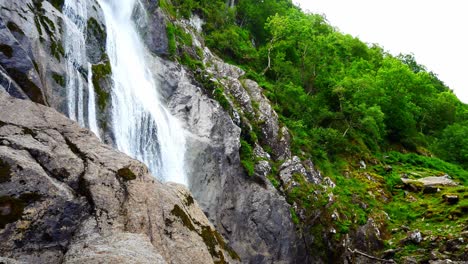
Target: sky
(435, 31)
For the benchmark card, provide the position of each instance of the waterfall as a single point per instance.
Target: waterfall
(142, 125)
(77, 66)
(92, 103)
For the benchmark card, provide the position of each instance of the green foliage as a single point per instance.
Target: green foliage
(172, 45)
(433, 166)
(453, 144)
(247, 157)
(342, 101)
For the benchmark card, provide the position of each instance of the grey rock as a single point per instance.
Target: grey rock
(115, 248)
(254, 217)
(362, 165)
(432, 181)
(67, 192)
(367, 237)
(151, 24)
(272, 135)
(18, 64)
(289, 168)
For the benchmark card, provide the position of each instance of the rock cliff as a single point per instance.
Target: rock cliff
(66, 197)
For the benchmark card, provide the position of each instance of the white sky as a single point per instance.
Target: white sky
(435, 31)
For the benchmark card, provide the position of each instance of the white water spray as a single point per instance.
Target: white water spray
(74, 43)
(92, 103)
(142, 125)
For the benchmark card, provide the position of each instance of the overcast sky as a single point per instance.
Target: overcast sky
(435, 31)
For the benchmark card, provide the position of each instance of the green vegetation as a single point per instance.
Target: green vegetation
(101, 71)
(59, 79)
(58, 4)
(247, 157)
(211, 237)
(343, 101)
(126, 174)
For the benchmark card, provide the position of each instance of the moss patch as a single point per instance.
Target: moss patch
(210, 237)
(189, 200)
(59, 79)
(247, 157)
(58, 4)
(178, 212)
(93, 26)
(5, 171)
(6, 50)
(11, 209)
(57, 50)
(126, 174)
(101, 71)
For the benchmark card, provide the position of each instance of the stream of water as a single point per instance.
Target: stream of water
(142, 125)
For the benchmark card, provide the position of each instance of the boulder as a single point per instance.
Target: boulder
(66, 197)
(432, 181)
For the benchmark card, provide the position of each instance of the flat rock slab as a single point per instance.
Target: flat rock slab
(432, 181)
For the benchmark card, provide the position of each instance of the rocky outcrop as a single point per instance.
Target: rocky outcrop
(34, 62)
(66, 197)
(151, 24)
(254, 217)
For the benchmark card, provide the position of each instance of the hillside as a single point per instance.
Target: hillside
(367, 119)
(298, 143)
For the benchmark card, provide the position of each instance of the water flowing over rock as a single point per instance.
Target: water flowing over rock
(67, 198)
(97, 61)
(141, 124)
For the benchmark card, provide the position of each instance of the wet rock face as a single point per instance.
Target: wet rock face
(16, 63)
(65, 197)
(32, 54)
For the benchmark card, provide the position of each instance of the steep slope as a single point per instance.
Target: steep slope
(254, 217)
(250, 174)
(66, 197)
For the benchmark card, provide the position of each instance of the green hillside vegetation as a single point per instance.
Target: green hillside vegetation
(346, 101)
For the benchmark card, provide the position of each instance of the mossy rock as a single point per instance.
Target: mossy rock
(189, 200)
(179, 213)
(59, 79)
(126, 174)
(11, 210)
(100, 72)
(212, 239)
(58, 4)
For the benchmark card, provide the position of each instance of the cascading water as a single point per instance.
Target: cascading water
(74, 44)
(92, 103)
(142, 126)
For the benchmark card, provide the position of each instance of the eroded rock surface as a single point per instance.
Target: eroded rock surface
(66, 197)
